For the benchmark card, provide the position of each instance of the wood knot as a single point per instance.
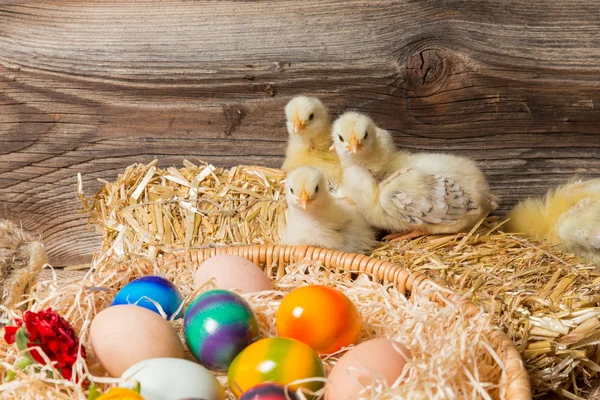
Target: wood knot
(265, 88)
(426, 68)
(233, 118)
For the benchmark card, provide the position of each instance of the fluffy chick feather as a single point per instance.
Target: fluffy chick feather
(403, 192)
(568, 216)
(317, 218)
(309, 128)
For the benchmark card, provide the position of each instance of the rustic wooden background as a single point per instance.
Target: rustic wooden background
(93, 86)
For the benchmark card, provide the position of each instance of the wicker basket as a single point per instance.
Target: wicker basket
(407, 282)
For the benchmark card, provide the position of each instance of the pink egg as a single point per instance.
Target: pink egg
(357, 368)
(232, 273)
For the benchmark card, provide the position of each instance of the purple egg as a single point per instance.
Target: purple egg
(268, 391)
(218, 325)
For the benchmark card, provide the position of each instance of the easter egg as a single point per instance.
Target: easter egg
(278, 360)
(126, 334)
(232, 272)
(320, 316)
(217, 325)
(173, 378)
(156, 288)
(268, 391)
(120, 394)
(364, 364)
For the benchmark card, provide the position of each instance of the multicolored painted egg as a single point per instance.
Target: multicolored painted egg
(278, 360)
(217, 325)
(269, 391)
(320, 316)
(156, 288)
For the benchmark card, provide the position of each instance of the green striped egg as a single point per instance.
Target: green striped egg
(218, 325)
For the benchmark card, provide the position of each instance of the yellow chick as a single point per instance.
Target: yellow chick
(315, 217)
(309, 143)
(568, 216)
(408, 194)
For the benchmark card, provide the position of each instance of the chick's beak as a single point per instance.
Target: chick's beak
(298, 125)
(304, 199)
(353, 145)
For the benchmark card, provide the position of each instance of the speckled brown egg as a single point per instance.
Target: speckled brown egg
(123, 335)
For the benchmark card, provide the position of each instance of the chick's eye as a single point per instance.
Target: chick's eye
(311, 116)
(317, 189)
(341, 138)
(366, 134)
(291, 191)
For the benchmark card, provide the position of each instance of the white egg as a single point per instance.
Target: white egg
(173, 379)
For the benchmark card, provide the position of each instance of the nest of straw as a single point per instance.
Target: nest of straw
(440, 337)
(548, 301)
(21, 259)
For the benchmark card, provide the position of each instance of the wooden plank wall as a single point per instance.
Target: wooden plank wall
(93, 86)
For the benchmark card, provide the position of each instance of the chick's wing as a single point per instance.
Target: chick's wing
(417, 198)
(581, 224)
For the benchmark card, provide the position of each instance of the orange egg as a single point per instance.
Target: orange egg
(320, 316)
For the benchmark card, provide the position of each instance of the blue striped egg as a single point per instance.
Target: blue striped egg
(156, 288)
(218, 325)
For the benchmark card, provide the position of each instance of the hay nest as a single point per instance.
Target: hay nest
(440, 337)
(548, 301)
(22, 257)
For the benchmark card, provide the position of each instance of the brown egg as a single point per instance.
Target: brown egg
(232, 273)
(126, 334)
(375, 357)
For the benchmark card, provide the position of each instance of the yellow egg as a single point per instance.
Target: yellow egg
(126, 334)
(280, 360)
(382, 358)
(232, 273)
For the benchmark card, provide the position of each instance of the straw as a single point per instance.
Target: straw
(546, 300)
(452, 355)
(22, 257)
(537, 293)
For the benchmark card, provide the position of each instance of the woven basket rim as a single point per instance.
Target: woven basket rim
(518, 386)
